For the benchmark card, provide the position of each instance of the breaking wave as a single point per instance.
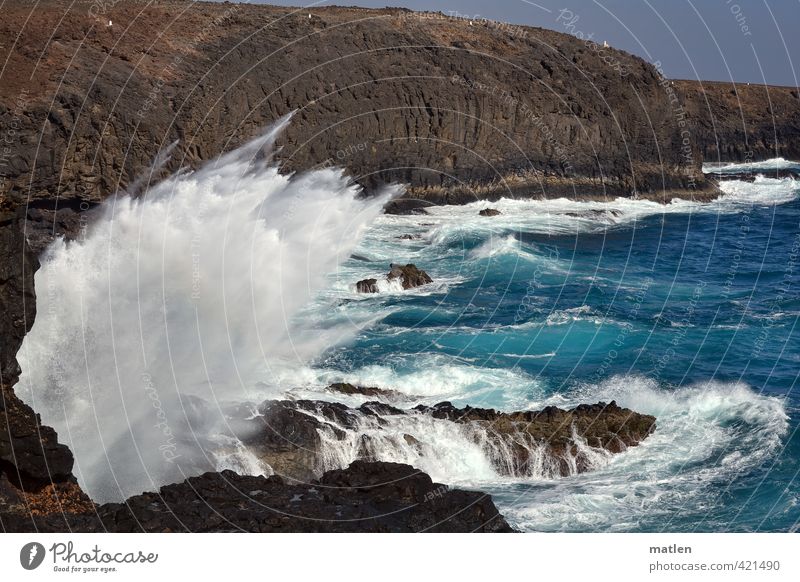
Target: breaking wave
(178, 301)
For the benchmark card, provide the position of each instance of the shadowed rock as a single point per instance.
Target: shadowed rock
(35, 469)
(365, 497)
(489, 212)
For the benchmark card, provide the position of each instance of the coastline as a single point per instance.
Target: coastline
(545, 188)
(460, 125)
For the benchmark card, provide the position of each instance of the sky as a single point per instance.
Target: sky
(747, 41)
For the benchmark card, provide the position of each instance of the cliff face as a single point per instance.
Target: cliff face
(454, 108)
(740, 123)
(440, 103)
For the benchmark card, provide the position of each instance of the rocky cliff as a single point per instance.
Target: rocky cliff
(742, 123)
(450, 108)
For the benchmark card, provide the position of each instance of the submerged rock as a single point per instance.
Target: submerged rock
(489, 212)
(595, 213)
(371, 391)
(365, 497)
(410, 276)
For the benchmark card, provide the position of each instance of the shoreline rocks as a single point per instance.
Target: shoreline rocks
(489, 212)
(289, 435)
(364, 497)
(566, 434)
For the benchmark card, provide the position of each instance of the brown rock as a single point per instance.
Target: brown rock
(367, 286)
(410, 276)
(602, 426)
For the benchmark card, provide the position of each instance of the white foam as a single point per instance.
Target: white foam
(772, 164)
(706, 435)
(436, 377)
(766, 191)
(188, 291)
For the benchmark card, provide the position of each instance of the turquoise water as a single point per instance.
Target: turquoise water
(687, 311)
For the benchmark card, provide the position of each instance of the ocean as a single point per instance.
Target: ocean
(686, 311)
(236, 283)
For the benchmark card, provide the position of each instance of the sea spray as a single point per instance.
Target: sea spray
(178, 303)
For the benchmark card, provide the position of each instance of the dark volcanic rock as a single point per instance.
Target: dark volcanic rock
(410, 276)
(742, 123)
(449, 135)
(602, 426)
(490, 212)
(287, 438)
(371, 391)
(407, 206)
(367, 286)
(552, 441)
(366, 497)
(35, 470)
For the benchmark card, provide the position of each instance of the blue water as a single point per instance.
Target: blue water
(688, 312)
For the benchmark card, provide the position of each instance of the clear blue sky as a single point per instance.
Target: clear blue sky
(721, 40)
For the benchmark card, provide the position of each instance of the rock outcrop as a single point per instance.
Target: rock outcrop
(288, 435)
(742, 122)
(35, 470)
(601, 426)
(368, 391)
(410, 276)
(490, 212)
(365, 497)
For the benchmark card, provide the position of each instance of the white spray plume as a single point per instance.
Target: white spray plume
(178, 301)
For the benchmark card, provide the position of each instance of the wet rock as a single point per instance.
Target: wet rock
(594, 213)
(370, 391)
(407, 206)
(551, 442)
(604, 427)
(32, 462)
(367, 286)
(410, 276)
(489, 212)
(365, 497)
(286, 435)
